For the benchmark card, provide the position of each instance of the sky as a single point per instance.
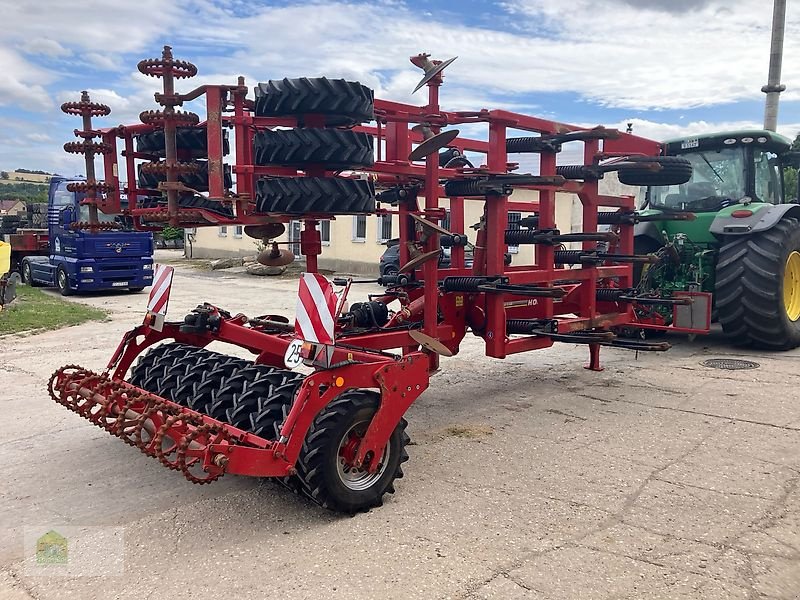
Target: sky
(669, 67)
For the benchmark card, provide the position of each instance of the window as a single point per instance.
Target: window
(384, 228)
(767, 178)
(325, 232)
(360, 228)
(237, 231)
(222, 231)
(513, 224)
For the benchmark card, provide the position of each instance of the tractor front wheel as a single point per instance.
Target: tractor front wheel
(325, 466)
(758, 288)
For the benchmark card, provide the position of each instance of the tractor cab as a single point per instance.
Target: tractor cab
(727, 169)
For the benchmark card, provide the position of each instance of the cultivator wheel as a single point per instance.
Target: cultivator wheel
(194, 175)
(675, 170)
(185, 374)
(327, 195)
(324, 469)
(192, 140)
(335, 148)
(342, 102)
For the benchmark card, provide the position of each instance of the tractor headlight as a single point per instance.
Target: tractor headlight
(87, 269)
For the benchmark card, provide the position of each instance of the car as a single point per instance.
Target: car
(390, 259)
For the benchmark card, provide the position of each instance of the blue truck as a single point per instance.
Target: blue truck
(78, 260)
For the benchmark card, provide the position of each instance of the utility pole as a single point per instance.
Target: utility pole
(774, 87)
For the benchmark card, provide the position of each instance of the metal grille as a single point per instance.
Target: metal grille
(730, 364)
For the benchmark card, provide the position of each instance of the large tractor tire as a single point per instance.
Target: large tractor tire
(333, 148)
(188, 139)
(331, 443)
(675, 170)
(758, 288)
(342, 102)
(321, 195)
(197, 180)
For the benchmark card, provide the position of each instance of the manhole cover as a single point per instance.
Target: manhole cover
(731, 364)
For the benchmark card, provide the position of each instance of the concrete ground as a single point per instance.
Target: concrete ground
(529, 478)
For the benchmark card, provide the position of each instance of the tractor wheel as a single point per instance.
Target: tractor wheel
(328, 195)
(331, 444)
(758, 287)
(342, 102)
(675, 170)
(193, 139)
(334, 148)
(62, 282)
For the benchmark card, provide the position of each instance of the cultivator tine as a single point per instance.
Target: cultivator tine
(178, 439)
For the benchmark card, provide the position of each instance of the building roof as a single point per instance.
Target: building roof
(9, 204)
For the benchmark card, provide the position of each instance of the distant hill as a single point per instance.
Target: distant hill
(25, 176)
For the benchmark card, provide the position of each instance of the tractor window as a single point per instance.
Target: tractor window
(101, 216)
(767, 180)
(717, 181)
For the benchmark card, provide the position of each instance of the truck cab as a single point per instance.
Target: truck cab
(80, 260)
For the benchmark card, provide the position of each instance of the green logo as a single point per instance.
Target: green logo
(51, 549)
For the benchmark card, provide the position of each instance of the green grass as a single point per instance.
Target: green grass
(33, 310)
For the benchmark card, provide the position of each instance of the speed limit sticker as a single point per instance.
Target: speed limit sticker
(292, 359)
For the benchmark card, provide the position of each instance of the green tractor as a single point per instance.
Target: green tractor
(742, 246)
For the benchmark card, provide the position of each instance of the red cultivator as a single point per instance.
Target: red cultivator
(338, 435)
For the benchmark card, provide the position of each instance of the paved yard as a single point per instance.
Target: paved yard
(529, 478)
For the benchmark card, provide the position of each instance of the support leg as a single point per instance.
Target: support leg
(594, 358)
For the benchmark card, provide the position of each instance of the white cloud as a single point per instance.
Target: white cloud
(45, 47)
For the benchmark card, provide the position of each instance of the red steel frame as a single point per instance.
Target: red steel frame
(400, 379)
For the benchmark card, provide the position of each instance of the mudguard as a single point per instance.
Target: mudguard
(649, 229)
(764, 217)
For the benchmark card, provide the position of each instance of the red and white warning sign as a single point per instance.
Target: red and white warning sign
(159, 295)
(316, 309)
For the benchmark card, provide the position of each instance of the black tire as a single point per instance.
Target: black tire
(185, 201)
(188, 139)
(319, 469)
(333, 148)
(342, 102)
(27, 275)
(327, 195)
(675, 170)
(197, 180)
(391, 270)
(750, 280)
(261, 404)
(62, 282)
(185, 374)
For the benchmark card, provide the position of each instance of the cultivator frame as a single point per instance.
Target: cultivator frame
(513, 308)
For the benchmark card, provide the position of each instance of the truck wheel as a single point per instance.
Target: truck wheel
(62, 282)
(27, 275)
(330, 445)
(758, 287)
